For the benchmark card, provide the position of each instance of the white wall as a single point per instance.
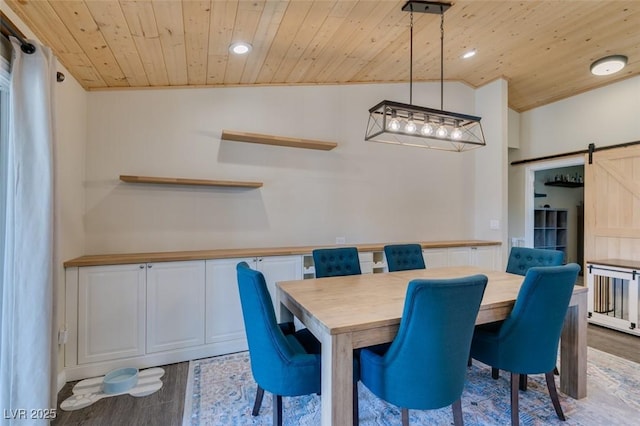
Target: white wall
(489, 187)
(366, 192)
(604, 116)
(69, 158)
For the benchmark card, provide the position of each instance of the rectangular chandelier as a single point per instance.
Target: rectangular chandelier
(412, 125)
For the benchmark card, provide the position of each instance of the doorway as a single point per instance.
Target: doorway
(554, 207)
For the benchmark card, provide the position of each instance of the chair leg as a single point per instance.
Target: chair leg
(523, 382)
(356, 407)
(555, 371)
(405, 416)
(551, 385)
(456, 407)
(258, 403)
(495, 373)
(515, 416)
(277, 410)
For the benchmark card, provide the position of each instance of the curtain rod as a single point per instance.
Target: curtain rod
(25, 46)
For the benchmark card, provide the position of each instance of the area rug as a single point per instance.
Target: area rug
(88, 391)
(221, 391)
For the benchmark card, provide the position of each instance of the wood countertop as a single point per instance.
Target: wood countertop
(171, 256)
(619, 263)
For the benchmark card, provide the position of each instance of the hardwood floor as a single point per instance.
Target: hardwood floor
(164, 408)
(614, 342)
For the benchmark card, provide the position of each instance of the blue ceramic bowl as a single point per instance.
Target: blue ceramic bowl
(120, 380)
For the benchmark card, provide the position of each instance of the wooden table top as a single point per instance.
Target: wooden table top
(358, 302)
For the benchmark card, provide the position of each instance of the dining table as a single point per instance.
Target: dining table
(349, 312)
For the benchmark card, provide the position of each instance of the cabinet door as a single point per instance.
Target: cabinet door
(279, 268)
(459, 256)
(485, 257)
(175, 305)
(111, 312)
(435, 258)
(224, 321)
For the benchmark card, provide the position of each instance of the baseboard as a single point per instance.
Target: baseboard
(95, 369)
(62, 380)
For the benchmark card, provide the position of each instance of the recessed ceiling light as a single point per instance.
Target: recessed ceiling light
(469, 54)
(240, 48)
(608, 65)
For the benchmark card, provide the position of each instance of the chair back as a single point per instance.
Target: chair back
(336, 262)
(279, 364)
(530, 334)
(523, 258)
(403, 257)
(426, 364)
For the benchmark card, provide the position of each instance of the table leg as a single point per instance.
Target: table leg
(337, 379)
(284, 314)
(573, 348)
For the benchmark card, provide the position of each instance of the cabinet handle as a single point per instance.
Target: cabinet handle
(149, 266)
(141, 266)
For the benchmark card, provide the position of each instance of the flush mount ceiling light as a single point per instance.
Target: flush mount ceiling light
(608, 65)
(412, 125)
(469, 54)
(240, 48)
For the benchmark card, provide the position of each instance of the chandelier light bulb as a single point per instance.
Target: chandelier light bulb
(456, 133)
(427, 129)
(411, 126)
(442, 131)
(394, 124)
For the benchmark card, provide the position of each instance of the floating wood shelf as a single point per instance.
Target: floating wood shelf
(183, 181)
(565, 184)
(230, 135)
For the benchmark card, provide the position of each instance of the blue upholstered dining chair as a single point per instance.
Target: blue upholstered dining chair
(424, 367)
(334, 262)
(284, 362)
(520, 260)
(280, 363)
(523, 258)
(527, 341)
(403, 257)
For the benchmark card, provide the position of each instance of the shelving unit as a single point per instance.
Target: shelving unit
(230, 135)
(550, 229)
(183, 181)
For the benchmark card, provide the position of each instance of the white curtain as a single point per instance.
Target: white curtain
(27, 362)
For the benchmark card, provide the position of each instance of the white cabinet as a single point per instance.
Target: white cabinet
(436, 257)
(482, 256)
(224, 321)
(224, 325)
(111, 312)
(279, 268)
(485, 257)
(119, 313)
(175, 305)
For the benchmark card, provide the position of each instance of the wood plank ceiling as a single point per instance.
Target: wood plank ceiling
(543, 48)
